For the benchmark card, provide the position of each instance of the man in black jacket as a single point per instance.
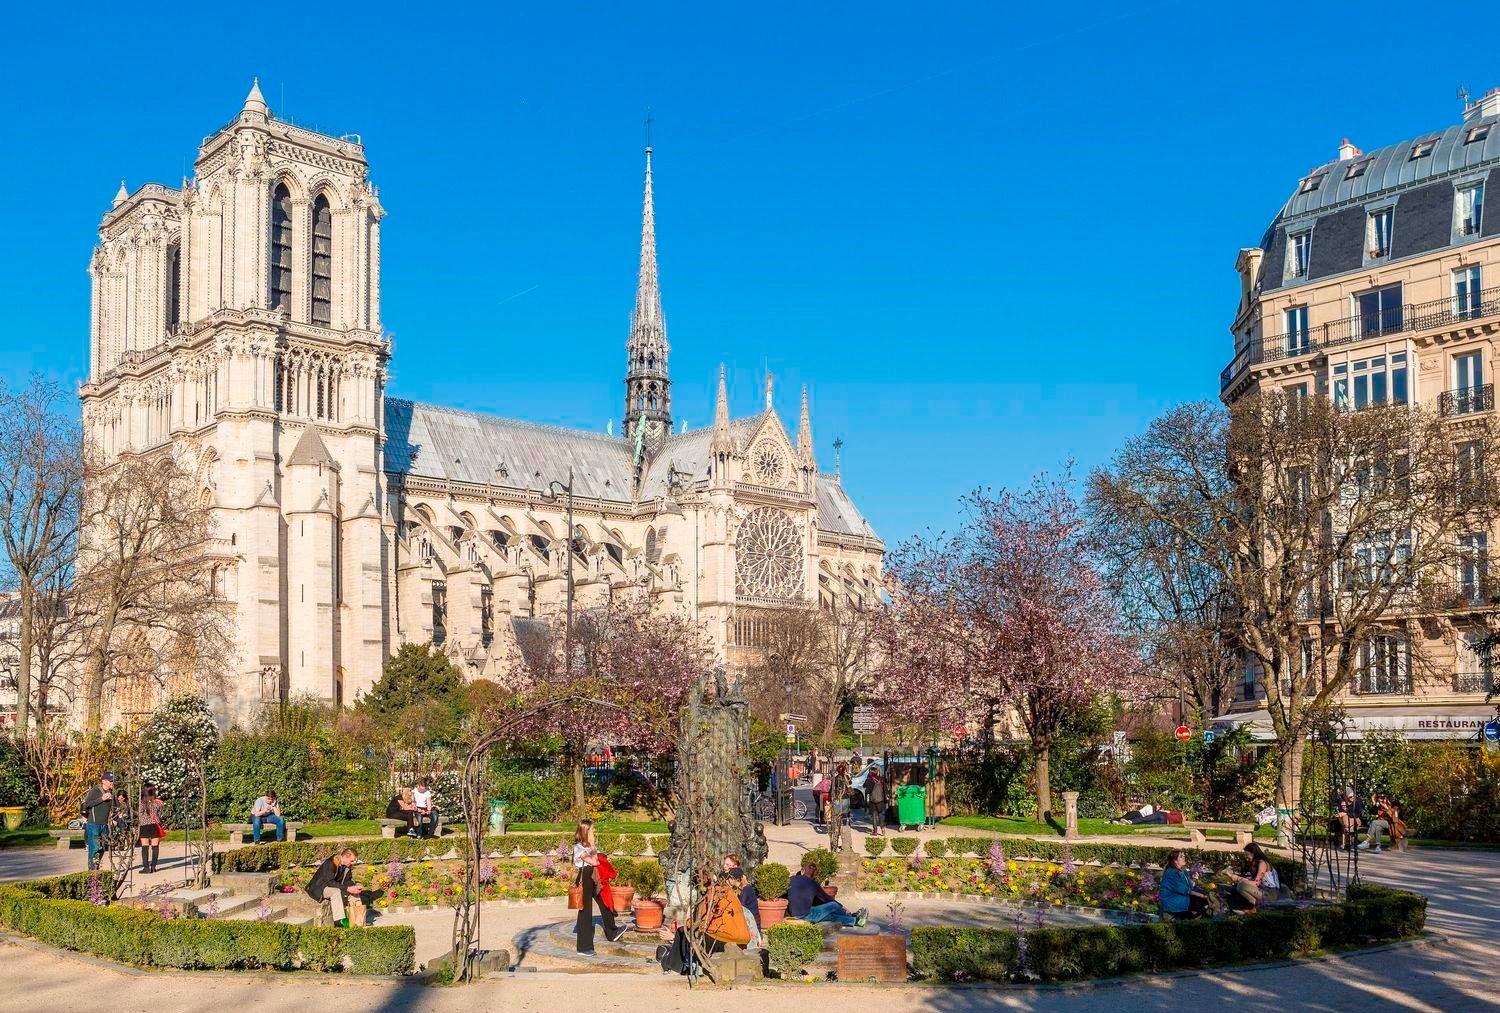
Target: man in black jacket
(333, 881)
(98, 811)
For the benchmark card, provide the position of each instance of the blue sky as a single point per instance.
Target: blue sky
(990, 240)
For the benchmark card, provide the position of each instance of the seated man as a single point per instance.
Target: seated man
(427, 814)
(333, 881)
(806, 899)
(266, 810)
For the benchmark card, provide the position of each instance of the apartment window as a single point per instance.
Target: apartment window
(1468, 463)
(1468, 210)
(1370, 382)
(1423, 148)
(1468, 384)
(1298, 254)
(1472, 670)
(1378, 232)
(1309, 663)
(1312, 182)
(1381, 561)
(1296, 331)
(1379, 311)
(1467, 292)
(1382, 665)
(1473, 564)
(1249, 684)
(1478, 133)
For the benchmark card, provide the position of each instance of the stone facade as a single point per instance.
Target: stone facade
(236, 322)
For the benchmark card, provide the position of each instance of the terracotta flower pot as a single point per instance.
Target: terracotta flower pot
(620, 897)
(772, 912)
(648, 914)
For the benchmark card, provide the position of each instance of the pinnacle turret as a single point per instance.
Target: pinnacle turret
(647, 385)
(255, 102)
(722, 441)
(804, 433)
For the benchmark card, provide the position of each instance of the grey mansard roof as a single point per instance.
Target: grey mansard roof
(445, 444)
(1421, 190)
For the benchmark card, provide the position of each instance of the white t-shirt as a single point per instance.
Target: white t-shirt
(423, 799)
(579, 852)
(263, 807)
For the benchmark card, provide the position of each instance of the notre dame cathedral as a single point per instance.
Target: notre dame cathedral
(236, 322)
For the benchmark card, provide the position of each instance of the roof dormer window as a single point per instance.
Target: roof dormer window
(1357, 169)
(1478, 133)
(1312, 182)
(1423, 148)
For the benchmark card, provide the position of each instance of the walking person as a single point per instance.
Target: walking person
(98, 809)
(586, 867)
(875, 799)
(150, 829)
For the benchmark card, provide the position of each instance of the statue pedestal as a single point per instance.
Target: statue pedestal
(737, 965)
(1070, 829)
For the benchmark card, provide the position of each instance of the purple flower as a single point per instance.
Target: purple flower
(1069, 867)
(96, 890)
(997, 861)
(1148, 883)
(486, 871)
(396, 871)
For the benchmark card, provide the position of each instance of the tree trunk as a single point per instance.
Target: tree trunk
(93, 692)
(1288, 784)
(27, 594)
(1043, 782)
(579, 805)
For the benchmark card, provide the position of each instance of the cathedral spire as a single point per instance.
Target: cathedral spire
(804, 433)
(647, 386)
(770, 392)
(722, 442)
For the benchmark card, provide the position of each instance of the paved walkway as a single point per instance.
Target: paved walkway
(1455, 976)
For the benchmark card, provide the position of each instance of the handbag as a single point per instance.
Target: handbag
(723, 916)
(575, 894)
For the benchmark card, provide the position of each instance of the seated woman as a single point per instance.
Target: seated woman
(404, 807)
(1177, 897)
(1260, 882)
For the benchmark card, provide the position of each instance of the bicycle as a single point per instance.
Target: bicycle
(764, 807)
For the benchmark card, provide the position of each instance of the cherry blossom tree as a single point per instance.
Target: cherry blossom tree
(1005, 618)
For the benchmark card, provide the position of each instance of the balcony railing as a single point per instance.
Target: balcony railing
(1381, 684)
(1474, 682)
(1466, 400)
(1403, 319)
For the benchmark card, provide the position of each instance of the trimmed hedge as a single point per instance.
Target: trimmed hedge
(1369, 915)
(1289, 869)
(793, 945)
(39, 909)
(284, 854)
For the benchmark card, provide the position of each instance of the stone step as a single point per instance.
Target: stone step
(631, 946)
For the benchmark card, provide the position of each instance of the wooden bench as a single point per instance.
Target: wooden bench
(65, 838)
(1243, 832)
(238, 832)
(388, 828)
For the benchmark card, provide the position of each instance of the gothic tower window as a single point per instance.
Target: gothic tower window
(439, 612)
(652, 555)
(281, 248)
(174, 283)
(322, 262)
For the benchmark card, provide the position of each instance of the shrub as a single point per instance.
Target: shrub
(39, 909)
(647, 877)
(935, 847)
(534, 798)
(631, 844)
(875, 846)
(793, 945)
(1290, 870)
(772, 880)
(658, 843)
(904, 846)
(18, 785)
(286, 854)
(1369, 915)
(825, 861)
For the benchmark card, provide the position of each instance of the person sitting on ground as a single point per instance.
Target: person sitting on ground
(1350, 814)
(1260, 881)
(402, 807)
(749, 899)
(333, 881)
(266, 809)
(806, 899)
(427, 814)
(1177, 895)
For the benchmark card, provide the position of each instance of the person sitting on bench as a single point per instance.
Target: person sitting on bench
(403, 807)
(333, 881)
(427, 814)
(266, 810)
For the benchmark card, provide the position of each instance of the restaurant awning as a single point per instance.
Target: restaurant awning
(1439, 721)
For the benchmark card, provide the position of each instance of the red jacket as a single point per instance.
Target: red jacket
(603, 873)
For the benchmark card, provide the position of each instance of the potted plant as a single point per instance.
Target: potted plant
(827, 864)
(620, 889)
(14, 816)
(648, 880)
(771, 882)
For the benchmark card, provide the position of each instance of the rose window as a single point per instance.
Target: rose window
(768, 465)
(768, 554)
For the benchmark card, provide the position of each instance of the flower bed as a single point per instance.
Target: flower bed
(423, 884)
(1111, 887)
(1289, 869)
(53, 911)
(1368, 916)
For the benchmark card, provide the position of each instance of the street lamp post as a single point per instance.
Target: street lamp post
(553, 489)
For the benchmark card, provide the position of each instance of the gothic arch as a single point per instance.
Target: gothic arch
(323, 185)
(287, 177)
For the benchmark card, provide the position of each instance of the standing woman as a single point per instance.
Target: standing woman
(151, 832)
(875, 799)
(586, 868)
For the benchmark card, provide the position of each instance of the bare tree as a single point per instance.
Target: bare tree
(1345, 540)
(58, 643)
(41, 471)
(145, 596)
(812, 659)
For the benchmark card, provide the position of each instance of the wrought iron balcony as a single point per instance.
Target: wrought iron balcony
(1467, 400)
(1381, 684)
(1474, 682)
(1432, 315)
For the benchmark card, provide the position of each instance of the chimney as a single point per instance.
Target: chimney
(1484, 107)
(1348, 151)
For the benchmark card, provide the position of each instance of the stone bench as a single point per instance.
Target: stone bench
(389, 828)
(239, 831)
(65, 838)
(1243, 832)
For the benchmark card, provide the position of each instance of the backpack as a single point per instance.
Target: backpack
(676, 957)
(724, 916)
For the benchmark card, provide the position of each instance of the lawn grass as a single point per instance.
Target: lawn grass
(603, 827)
(1087, 827)
(26, 837)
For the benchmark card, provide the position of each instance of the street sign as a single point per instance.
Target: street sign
(866, 720)
(1184, 733)
(1208, 735)
(1492, 731)
(791, 732)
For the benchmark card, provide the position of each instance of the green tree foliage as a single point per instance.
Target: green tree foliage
(18, 784)
(420, 696)
(180, 739)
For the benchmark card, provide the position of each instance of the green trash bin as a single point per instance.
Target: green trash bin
(911, 806)
(497, 816)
